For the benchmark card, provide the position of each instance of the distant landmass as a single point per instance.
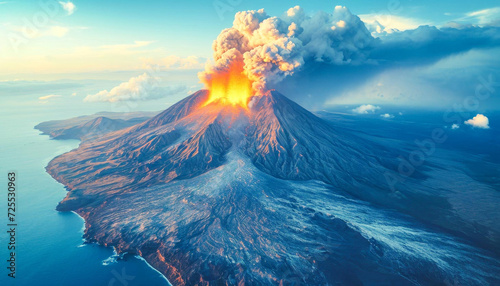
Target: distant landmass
(270, 194)
(85, 127)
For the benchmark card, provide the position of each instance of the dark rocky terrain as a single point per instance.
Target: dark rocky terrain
(216, 195)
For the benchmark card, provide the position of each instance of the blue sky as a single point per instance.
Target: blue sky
(117, 40)
(180, 28)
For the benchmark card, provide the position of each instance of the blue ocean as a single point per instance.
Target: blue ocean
(49, 245)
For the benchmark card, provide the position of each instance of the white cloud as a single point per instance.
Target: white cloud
(455, 126)
(485, 17)
(379, 24)
(365, 109)
(47, 97)
(490, 16)
(69, 7)
(387, 115)
(50, 31)
(479, 121)
(143, 87)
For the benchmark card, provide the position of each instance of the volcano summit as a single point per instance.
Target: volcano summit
(216, 193)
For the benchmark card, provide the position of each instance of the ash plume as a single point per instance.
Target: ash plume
(270, 48)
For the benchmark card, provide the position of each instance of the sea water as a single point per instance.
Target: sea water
(49, 245)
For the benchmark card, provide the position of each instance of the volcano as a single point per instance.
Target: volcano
(220, 194)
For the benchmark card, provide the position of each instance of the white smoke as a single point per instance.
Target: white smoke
(271, 48)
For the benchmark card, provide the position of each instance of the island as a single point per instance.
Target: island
(214, 193)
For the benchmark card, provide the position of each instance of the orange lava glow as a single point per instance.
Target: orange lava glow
(232, 87)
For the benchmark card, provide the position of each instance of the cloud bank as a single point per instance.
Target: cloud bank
(427, 44)
(479, 121)
(383, 24)
(485, 17)
(140, 88)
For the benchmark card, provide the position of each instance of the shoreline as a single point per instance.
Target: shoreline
(115, 252)
(84, 222)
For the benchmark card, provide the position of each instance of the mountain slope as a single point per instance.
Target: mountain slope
(218, 194)
(289, 142)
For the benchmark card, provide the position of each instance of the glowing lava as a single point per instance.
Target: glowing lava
(230, 87)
